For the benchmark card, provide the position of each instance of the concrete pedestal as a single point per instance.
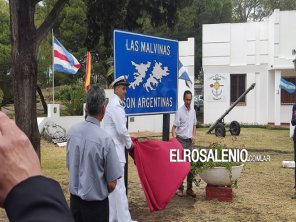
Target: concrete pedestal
(53, 110)
(220, 193)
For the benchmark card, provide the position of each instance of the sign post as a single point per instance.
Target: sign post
(150, 65)
(166, 127)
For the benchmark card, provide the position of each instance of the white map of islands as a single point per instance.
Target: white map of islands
(155, 77)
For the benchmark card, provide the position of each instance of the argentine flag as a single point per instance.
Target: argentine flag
(64, 61)
(184, 75)
(287, 86)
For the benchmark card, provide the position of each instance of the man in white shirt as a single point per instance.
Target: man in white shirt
(184, 129)
(115, 125)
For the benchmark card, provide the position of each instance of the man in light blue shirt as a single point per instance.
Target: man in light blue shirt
(92, 162)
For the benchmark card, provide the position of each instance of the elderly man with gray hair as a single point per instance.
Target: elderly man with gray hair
(92, 162)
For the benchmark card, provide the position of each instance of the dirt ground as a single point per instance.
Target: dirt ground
(263, 193)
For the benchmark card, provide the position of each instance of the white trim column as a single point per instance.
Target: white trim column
(186, 57)
(53, 110)
(277, 98)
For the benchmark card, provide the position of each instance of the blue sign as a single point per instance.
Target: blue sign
(150, 65)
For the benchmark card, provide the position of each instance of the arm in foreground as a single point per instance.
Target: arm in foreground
(24, 193)
(37, 199)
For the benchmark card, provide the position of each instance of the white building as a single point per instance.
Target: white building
(239, 54)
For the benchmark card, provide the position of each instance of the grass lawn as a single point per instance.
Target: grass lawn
(250, 138)
(263, 193)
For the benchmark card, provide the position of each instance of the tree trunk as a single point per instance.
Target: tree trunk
(25, 42)
(24, 68)
(42, 99)
(25, 81)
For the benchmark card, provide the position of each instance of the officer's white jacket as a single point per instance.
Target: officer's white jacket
(115, 125)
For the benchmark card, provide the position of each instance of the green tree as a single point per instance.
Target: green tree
(5, 53)
(256, 10)
(139, 16)
(5, 56)
(105, 16)
(73, 97)
(208, 12)
(191, 18)
(72, 27)
(250, 10)
(271, 5)
(174, 19)
(70, 30)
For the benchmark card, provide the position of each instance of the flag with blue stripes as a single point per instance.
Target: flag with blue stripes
(184, 75)
(287, 86)
(63, 60)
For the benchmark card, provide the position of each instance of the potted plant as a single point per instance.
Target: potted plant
(218, 173)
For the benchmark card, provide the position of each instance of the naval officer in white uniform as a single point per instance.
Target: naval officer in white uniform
(115, 125)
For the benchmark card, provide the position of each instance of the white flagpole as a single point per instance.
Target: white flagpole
(52, 67)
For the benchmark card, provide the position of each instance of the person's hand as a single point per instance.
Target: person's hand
(131, 151)
(111, 185)
(18, 159)
(193, 140)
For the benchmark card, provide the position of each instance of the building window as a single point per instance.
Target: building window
(237, 88)
(288, 98)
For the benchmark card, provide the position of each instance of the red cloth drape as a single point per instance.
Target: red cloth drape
(159, 177)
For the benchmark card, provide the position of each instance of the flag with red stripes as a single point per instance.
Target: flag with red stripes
(63, 60)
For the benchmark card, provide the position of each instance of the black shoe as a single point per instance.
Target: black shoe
(191, 193)
(180, 193)
(293, 196)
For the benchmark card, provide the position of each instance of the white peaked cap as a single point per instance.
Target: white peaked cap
(121, 80)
